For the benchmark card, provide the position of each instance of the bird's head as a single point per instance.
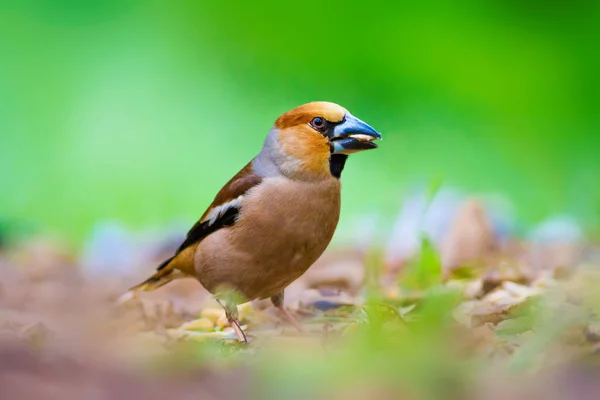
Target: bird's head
(315, 138)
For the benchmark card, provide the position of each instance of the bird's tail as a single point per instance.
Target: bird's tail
(161, 277)
(165, 274)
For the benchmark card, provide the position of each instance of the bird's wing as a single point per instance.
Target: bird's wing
(224, 209)
(221, 213)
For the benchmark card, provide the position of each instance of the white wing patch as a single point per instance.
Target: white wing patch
(217, 212)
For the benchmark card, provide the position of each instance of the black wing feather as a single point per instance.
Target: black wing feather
(202, 230)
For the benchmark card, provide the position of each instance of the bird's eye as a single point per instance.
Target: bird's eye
(318, 123)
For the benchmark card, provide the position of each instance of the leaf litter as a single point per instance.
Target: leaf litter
(433, 328)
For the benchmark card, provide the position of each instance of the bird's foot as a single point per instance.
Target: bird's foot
(293, 320)
(239, 332)
(231, 314)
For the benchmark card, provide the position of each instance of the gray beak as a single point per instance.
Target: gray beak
(353, 135)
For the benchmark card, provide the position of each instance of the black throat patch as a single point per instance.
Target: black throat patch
(336, 164)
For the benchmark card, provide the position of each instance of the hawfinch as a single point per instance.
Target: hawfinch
(276, 216)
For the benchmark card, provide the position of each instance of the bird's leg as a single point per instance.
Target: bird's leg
(277, 301)
(231, 313)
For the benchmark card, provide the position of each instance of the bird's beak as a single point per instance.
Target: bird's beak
(352, 135)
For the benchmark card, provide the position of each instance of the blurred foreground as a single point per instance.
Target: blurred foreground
(456, 307)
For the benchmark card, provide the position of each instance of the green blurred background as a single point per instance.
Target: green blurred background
(140, 110)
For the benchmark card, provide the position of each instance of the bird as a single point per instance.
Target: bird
(275, 217)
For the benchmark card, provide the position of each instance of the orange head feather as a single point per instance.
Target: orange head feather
(301, 141)
(312, 141)
(303, 114)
